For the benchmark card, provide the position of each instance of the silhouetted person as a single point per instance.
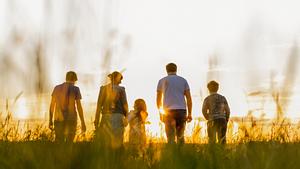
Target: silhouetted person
(65, 104)
(216, 110)
(112, 105)
(174, 92)
(137, 120)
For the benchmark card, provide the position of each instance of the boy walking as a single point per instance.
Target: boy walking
(215, 109)
(65, 105)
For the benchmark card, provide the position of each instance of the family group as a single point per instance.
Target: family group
(113, 115)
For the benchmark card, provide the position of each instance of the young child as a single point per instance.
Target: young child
(137, 119)
(216, 110)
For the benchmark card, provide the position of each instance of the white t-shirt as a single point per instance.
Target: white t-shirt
(173, 88)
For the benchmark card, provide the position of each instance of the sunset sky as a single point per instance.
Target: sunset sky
(240, 43)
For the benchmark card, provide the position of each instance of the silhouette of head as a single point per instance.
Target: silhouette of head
(213, 86)
(71, 77)
(115, 77)
(171, 68)
(140, 105)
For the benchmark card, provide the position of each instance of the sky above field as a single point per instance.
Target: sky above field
(250, 47)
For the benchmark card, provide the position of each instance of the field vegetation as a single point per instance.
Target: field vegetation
(253, 144)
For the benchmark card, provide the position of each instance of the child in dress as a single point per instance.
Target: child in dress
(137, 119)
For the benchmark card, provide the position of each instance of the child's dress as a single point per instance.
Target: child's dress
(137, 132)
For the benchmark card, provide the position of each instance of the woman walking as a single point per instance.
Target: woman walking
(112, 105)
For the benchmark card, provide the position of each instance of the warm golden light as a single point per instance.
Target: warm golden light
(21, 110)
(252, 70)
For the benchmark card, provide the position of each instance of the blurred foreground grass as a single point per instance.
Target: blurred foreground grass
(89, 155)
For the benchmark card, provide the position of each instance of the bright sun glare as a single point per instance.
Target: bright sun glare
(21, 109)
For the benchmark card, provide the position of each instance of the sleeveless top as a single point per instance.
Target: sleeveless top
(112, 99)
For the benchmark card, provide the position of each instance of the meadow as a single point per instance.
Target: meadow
(252, 145)
(89, 155)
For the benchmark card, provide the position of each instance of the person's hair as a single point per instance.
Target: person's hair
(171, 67)
(71, 76)
(114, 75)
(140, 105)
(213, 86)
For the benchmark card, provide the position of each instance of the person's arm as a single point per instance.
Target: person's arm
(188, 96)
(159, 99)
(99, 108)
(80, 112)
(205, 109)
(124, 102)
(125, 107)
(144, 116)
(227, 110)
(159, 93)
(51, 112)
(159, 106)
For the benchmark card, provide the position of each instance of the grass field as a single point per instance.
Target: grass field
(251, 145)
(89, 155)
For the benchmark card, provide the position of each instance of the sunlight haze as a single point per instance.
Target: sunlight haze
(245, 45)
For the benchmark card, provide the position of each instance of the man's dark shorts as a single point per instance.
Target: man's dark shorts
(175, 121)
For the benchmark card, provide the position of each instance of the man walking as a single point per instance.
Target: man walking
(173, 95)
(65, 99)
(215, 109)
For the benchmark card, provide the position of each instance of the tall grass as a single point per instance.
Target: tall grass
(237, 132)
(252, 144)
(49, 155)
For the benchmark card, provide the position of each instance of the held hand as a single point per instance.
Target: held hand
(51, 126)
(162, 115)
(125, 122)
(83, 127)
(189, 118)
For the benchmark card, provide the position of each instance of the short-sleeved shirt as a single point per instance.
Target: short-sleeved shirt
(112, 99)
(65, 96)
(215, 104)
(173, 88)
